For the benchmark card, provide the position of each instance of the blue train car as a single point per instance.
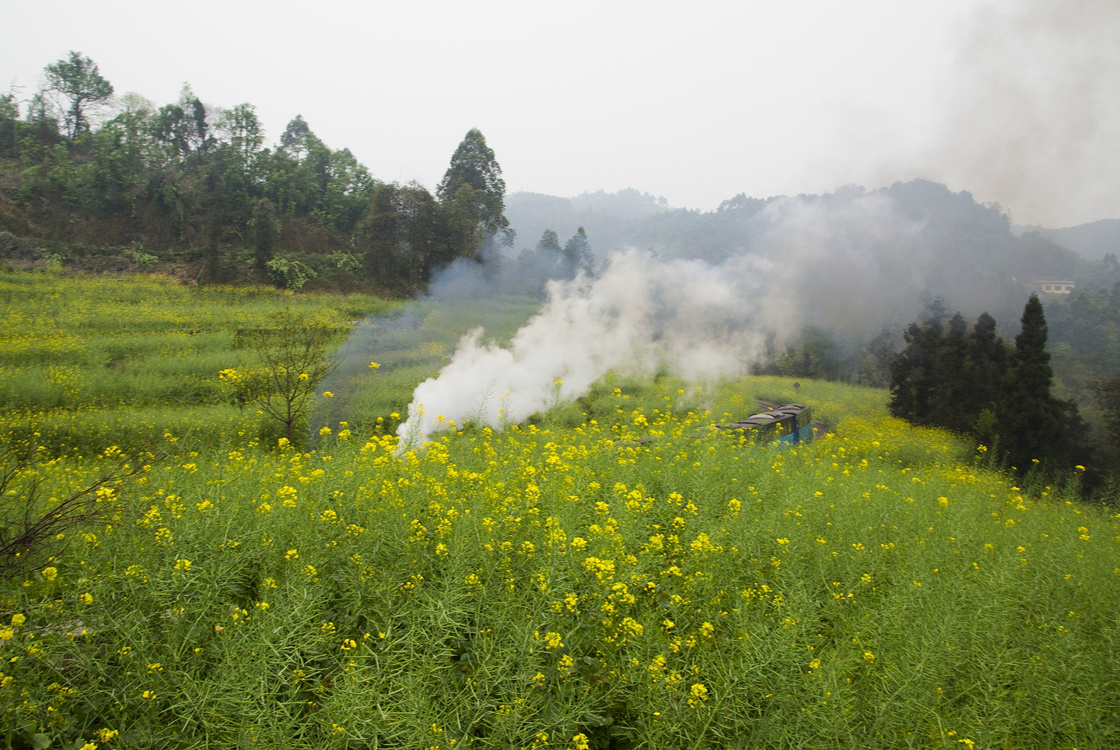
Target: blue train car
(791, 423)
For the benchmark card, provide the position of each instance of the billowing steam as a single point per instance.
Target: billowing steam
(640, 314)
(810, 261)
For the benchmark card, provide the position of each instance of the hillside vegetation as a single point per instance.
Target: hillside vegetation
(108, 184)
(614, 574)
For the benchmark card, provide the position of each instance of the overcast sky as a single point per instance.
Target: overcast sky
(1017, 101)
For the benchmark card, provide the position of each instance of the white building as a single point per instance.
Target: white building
(1054, 287)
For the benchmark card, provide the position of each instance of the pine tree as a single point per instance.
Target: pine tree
(949, 402)
(548, 255)
(985, 368)
(1030, 421)
(577, 255)
(914, 373)
(948, 378)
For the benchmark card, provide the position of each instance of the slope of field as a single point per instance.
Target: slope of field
(613, 575)
(91, 362)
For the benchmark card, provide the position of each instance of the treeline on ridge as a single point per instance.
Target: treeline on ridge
(196, 184)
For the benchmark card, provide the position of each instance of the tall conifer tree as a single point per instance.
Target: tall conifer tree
(1030, 419)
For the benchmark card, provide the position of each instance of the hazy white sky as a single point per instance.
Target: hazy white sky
(1017, 101)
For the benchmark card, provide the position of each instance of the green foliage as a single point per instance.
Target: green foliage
(9, 117)
(473, 192)
(1031, 426)
(874, 365)
(33, 528)
(474, 165)
(292, 356)
(577, 255)
(1084, 336)
(77, 80)
(549, 244)
(266, 231)
(86, 363)
(1107, 392)
(466, 230)
(546, 581)
(288, 273)
(628, 578)
(200, 185)
(947, 378)
(815, 354)
(347, 262)
(144, 260)
(404, 235)
(974, 385)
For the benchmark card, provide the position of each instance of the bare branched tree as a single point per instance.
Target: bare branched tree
(31, 528)
(293, 360)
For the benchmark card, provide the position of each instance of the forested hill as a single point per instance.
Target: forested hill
(950, 245)
(97, 182)
(1095, 240)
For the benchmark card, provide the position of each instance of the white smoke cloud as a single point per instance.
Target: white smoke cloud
(693, 319)
(641, 313)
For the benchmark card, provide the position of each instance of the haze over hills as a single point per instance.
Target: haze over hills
(611, 218)
(854, 258)
(1094, 240)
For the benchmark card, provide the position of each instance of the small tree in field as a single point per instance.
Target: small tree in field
(292, 360)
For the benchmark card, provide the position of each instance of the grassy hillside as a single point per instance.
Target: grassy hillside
(614, 575)
(91, 362)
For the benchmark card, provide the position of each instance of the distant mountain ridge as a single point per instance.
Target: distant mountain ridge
(894, 248)
(1094, 240)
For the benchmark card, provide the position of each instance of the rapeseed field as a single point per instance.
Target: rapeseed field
(615, 574)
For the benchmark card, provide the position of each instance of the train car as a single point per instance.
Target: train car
(791, 423)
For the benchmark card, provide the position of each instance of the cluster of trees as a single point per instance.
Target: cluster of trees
(549, 260)
(84, 168)
(974, 382)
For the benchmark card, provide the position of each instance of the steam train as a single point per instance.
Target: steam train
(791, 423)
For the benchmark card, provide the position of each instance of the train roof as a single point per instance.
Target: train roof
(766, 418)
(790, 409)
